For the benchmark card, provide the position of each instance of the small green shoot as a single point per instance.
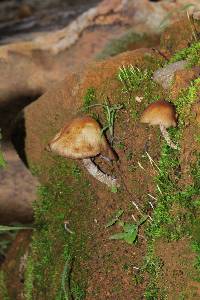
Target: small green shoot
(110, 111)
(8, 228)
(115, 218)
(130, 232)
(110, 114)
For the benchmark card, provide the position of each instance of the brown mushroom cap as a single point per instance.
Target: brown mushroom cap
(160, 112)
(81, 138)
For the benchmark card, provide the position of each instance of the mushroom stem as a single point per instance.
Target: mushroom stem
(167, 137)
(99, 175)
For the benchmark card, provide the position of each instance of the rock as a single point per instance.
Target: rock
(164, 76)
(18, 189)
(25, 11)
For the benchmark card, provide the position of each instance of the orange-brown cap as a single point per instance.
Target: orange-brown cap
(160, 112)
(81, 138)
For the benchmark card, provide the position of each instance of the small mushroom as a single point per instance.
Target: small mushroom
(161, 113)
(82, 138)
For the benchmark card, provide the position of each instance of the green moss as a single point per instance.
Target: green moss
(186, 98)
(191, 54)
(152, 265)
(138, 83)
(165, 224)
(65, 197)
(78, 291)
(89, 99)
(3, 289)
(28, 285)
(121, 44)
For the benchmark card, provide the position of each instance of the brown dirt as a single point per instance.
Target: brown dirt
(177, 270)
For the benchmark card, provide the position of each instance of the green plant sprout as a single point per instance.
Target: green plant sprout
(110, 115)
(4, 228)
(130, 232)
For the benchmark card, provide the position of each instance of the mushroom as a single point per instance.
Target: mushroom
(82, 138)
(161, 113)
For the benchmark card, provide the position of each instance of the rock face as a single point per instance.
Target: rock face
(18, 189)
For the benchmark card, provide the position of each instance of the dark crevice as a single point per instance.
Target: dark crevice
(12, 122)
(18, 138)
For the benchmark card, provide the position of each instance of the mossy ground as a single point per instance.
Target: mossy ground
(61, 262)
(128, 41)
(3, 289)
(176, 214)
(64, 198)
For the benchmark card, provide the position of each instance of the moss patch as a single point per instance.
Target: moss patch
(128, 41)
(191, 54)
(3, 289)
(64, 198)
